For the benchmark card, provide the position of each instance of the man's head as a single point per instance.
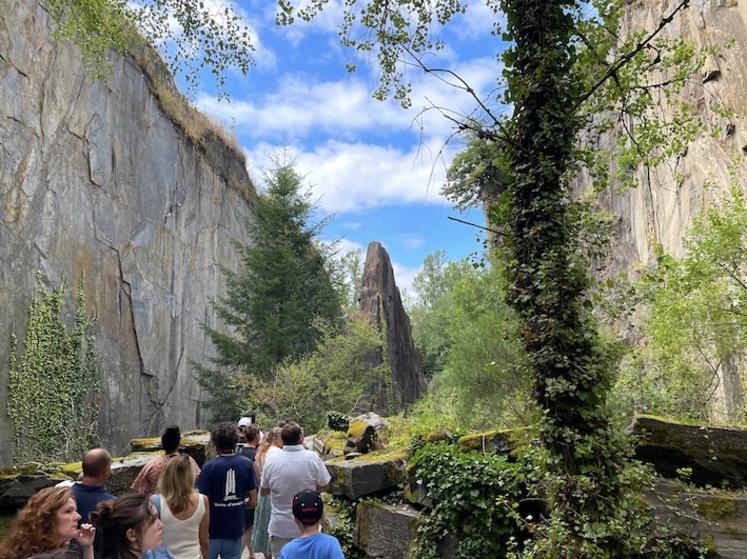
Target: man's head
(97, 464)
(170, 439)
(252, 434)
(225, 437)
(307, 507)
(292, 433)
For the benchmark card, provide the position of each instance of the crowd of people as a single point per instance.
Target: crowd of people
(261, 492)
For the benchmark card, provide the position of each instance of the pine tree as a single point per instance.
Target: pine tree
(271, 304)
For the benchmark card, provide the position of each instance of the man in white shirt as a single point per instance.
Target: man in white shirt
(284, 475)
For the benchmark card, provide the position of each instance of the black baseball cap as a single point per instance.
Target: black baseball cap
(307, 507)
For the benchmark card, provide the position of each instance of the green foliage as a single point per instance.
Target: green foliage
(54, 387)
(193, 34)
(469, 340)
(696, 325)
(476, 175)
(339, 374)
(475, 503)
(344, 526)
(272, 303)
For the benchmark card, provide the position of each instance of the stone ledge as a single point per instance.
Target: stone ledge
(366, 474)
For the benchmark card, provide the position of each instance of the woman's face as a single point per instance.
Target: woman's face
(66, 520)
(151, 538)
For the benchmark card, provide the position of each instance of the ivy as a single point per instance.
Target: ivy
(475, 501)
(54, 387)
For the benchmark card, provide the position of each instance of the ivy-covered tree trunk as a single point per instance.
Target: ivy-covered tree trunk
(547, 278)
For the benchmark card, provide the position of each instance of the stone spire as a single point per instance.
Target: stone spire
(380, 299)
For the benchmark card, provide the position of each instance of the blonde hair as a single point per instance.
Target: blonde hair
(177, 483)
(272, 434)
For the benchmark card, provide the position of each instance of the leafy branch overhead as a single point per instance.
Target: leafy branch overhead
(193, 34)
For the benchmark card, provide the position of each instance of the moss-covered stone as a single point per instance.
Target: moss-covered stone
(497, 441)
(386, 530)
(367, 474)
(330, 444)
(717, 508)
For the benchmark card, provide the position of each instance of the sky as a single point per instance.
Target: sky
(374, 167)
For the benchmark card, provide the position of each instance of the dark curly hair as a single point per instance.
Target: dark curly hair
(34, 530)
(225, 437)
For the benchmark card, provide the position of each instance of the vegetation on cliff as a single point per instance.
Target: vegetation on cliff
(53, 386)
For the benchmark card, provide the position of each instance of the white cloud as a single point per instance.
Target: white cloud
(412, 241)
(404, 276)
(301, 106)
(348, 177)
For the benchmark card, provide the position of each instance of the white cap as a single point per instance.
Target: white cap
(244, 421)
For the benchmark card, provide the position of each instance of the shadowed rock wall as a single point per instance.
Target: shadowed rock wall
(96, 181)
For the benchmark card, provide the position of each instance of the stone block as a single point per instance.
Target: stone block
(716, 455)
(329, 444)
(124, 472)
(367, 474)
(194, 443)
(385, 531)
(716, 520)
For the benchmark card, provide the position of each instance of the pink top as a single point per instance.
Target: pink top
(146, 481)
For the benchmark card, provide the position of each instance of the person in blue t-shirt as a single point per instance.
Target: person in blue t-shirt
(307, 509)
(90, 491)
(229, 483)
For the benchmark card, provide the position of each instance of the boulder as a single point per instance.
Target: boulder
(367, 474)
(715, 456)
(499, 441)
(194, 443)
(367, 432)
(717, 520)
(329, 444)
(18, 484)
(385, 531)
(125, 470)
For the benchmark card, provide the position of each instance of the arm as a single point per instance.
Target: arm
(322, 488)
(204, 524)
(251, 499)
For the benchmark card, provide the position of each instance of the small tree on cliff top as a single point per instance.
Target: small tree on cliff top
(271, 304)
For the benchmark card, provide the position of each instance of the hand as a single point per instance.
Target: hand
(86, 535)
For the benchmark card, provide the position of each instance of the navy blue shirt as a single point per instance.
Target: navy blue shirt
(87, 497)
(227, 481)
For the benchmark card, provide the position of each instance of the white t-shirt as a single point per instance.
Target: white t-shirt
(285, 474)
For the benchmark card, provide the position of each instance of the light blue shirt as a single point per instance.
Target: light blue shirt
(318, 546)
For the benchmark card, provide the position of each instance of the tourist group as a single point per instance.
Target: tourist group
(260, 494)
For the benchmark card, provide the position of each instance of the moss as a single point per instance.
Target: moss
(716, 507)
(511, 439)
(357, 428)
(709, 544)
(334, 440)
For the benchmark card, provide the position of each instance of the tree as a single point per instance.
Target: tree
(566, 67)
(336, 376)
(696, 322)
(192, 34)
(271, 304)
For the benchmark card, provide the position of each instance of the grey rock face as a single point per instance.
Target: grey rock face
(661, 209)
(97, 182)
(381, 300)
(366, 474)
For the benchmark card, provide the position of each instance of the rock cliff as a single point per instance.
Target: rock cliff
(380, 299)
(661, 209)
(123, 184)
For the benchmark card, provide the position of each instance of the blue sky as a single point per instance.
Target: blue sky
(377, 167)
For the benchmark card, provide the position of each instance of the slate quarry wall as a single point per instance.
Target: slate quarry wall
(96, 181)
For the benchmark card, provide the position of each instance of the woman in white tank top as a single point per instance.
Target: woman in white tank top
(184, 512)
